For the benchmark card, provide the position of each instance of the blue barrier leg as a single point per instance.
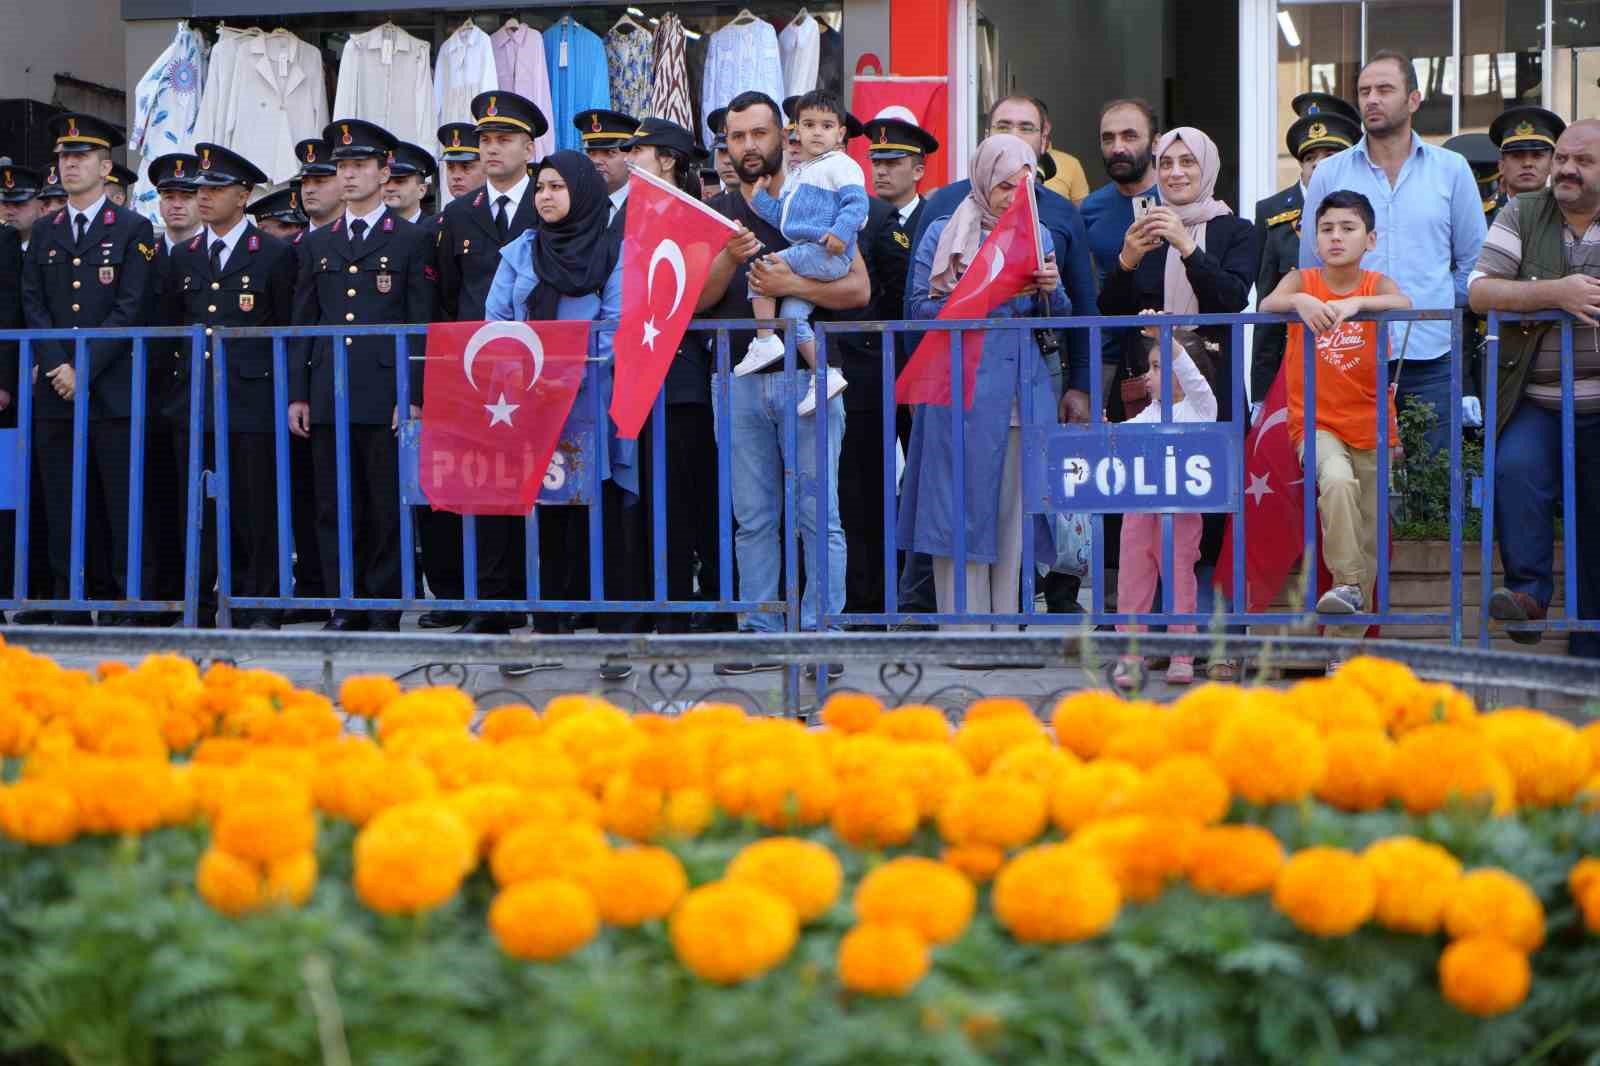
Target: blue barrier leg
(1241, 413)
(136, 432)
(724, 436)
(597, 580)
(958, 466)
(1456, 480)
(791, 477)
(1308, 471)
(891, 584)
(1097, 546)
(1380, 587)
(195, 476)
(658, 498)
(1491, 434)
(822, 485)
(19, 575)
(341, 428)
(1169, 568)
(1027, 413)
(80, 467)
(402, 393)
(469, 557)
(224, 531)
(530, 556)
(280, 463)
(1569, 494)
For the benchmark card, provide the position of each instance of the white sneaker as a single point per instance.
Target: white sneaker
(1341, 599)
(836, 384)
(762, 353)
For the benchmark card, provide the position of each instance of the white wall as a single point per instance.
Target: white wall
(82, 38)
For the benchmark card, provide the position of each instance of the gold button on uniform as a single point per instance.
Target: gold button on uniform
(349, 340)
(77, 262)
(353, 268)
(211, 309)
(216, 284)
(77, 284)
(349, 316)
(74, 308)
(349, 292)
(208, 331)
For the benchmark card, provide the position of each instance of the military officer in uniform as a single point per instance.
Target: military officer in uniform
(473, 229)
(88, 266)
(52, 197)
(1484, 160)
(1526, 139)
(411, 171)
(463, 169)
(1326, 125)
(717, 121)
(119, 184)
(369, 267)
(321, 198)
(232, 274)
(278, 214)
(603, 134)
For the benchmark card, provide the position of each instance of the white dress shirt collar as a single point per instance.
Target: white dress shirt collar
(618, 198)
(371, 219)
(230, 240)
(514, 195)
(907, 211)
(91, 214)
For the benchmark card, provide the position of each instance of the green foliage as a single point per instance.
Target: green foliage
(110, 959)
(1422, 482)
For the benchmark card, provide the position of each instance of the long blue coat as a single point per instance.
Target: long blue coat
(1011, 362)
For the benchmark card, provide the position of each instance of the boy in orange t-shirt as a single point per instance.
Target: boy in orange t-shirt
(1347, 388)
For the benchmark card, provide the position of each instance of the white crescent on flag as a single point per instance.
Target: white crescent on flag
(669, 252)
(490, 332)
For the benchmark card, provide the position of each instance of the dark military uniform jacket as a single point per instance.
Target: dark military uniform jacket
(467, 248)
(385, 279)
(859, 355)
(1278, 224)
(255, 288)
(102, 282)
(10, 315)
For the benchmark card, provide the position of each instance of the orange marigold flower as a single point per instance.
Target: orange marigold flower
(368, 787)
(1234, 860)
(1085, 721)
(1491, 902)
(434, 707)
(291, 880)
(1194, 717)
(874, 812)
(573, 704)
(1268, 755)
(1142, 743)
(1591, 736)
(983, 741)
(1330, 704)
(785, 793)
(120, 795)
(635, 885)
(1098, 789)
(882, 959)
(41, 813)
(1326, 891)
(1143, 852)
(1386, 682)
(537, 762)
(688, 812)
(490, 811)
(1003, 811)
(1430, 703)
(931, 771)
(731, 931)
(859, 755)
(18, 729)
(1056, 894)
(366, 695)
(804, 872)
(671, 761)
(1435, 764)
(264, 832)
(601, 740)
(996, 707)
(228, 883)
(110, 668)
(1360, 770)
(979, 862)
(413, 858)
(851, 712)
(543, 849)
(543, 920)
(632, 810)
(221, 751)
(1042, 763)
(1415, 880)
(510, 720)
(914, 722)
(1549, 759)
(1584, 881)
(927, 895)
(1183, 786)
(1484, 976)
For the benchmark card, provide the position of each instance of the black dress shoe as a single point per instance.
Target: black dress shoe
(442, 619)
(73, 618)
(32, 618)
(384, 621)
(487, 624)
(262, 623)
(305, 614)
(616, 671)
(346, 623)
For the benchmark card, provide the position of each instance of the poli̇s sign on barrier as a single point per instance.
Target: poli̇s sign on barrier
(1119, 468)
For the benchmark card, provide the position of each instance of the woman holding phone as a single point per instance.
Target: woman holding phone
(1189, 254)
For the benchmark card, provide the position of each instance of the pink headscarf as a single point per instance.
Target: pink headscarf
(999, 157)
(1178, 296)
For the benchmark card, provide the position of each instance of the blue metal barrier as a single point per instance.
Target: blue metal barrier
(724, 596)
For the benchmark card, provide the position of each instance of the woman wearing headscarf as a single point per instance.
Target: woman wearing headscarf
(564, 269)
(1189, 255)
(1011, 370)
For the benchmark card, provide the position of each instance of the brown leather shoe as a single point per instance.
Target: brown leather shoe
(1514, 607)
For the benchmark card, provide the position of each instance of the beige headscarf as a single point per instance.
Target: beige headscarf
(997, 158)
(1178, 296)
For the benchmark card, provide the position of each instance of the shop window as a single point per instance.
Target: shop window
(1319, 50)
(1502, 49)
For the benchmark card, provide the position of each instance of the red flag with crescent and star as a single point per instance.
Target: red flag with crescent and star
(667, 248)
(495, 397)
(1004, 266)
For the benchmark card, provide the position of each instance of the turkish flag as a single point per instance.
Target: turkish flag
(495, 396)
(1004, 266)
(927, 98)
(665, 229)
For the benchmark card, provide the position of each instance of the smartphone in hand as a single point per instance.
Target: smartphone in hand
(1142, 206)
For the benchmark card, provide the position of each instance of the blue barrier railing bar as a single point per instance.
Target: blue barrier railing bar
(23, 523)
(958, 468)
(889, 438)
(219, 376)
(1458, 484)
(1380, 592)
(80, 466)
(402, 406)
(280, 462)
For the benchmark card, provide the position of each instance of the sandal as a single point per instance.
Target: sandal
(1180, 671)
(1224, 670)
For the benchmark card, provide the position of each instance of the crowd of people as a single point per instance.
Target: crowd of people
(1380, 219)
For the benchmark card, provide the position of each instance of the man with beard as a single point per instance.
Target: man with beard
(1127, 137)
(756, 144)
(1543, 254)
(1429, 222)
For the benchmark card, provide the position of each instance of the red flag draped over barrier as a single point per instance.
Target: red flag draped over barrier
(665, 228)
(1004, 266)
(495, 396)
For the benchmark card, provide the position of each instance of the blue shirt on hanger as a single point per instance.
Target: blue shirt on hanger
(579, 77)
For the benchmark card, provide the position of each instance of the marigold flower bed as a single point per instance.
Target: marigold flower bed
(218, 868)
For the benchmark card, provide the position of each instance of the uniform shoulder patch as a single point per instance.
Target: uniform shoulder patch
(61, 216)
(194, 245)
(110, 217)
(902, 239)
(148, 251)
(478, 199)
(298, 237)
(1291, 215)
(388, 223)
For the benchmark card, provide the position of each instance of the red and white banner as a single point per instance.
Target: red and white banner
(665, 229)
(1005, 265)
(927, 98)
(495, 396)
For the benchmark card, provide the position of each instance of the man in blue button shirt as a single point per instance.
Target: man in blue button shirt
(1430, 225)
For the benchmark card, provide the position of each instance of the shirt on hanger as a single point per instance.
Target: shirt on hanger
(630, 55)
(166, 108)
(520, 68)
(271, 95)
(800, 47)
(671, 95)
(466, 67)
(743, 56)
(576, 60)
(386, 77)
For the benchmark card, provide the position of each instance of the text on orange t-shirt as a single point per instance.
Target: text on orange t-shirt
(1347, 374)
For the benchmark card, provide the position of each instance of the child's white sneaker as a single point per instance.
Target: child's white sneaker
(836, 384)
(762, 353)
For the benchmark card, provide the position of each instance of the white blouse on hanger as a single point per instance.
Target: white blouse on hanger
(270, 94)
(801, 46)
(465, 69)
(386, 77)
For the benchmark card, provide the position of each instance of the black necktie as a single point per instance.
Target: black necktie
(83, 224)
(217, 248)
(502, 220)
(358, 230)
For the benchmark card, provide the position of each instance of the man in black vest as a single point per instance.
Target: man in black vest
(369, 267)
(87, 267)
(473, 229)
(232, 274)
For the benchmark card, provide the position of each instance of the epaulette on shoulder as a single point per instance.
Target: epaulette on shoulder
(1291, 215)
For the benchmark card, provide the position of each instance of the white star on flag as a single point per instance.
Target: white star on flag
(500, 411)
(1259, 487)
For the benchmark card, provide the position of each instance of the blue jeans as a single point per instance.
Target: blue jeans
(759, 455)
(1527, 490)
(1429, 381)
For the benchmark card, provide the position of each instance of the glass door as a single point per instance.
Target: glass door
(1576, 91)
